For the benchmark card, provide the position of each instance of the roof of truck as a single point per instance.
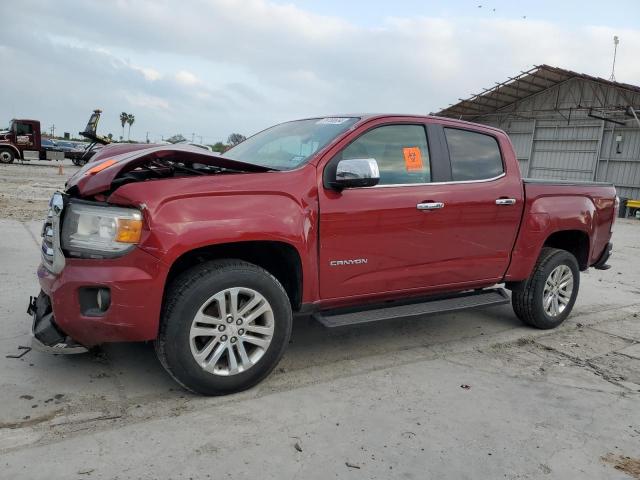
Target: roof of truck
(449, 120)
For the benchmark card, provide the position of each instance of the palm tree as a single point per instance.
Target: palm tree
(130, 119)
(124, 116)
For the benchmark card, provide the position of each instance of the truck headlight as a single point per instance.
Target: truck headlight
(100, 231)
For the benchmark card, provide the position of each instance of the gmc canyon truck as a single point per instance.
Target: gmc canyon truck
(348, 219)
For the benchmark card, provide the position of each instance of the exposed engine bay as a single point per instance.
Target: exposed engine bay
(118, 165)
(169, 167)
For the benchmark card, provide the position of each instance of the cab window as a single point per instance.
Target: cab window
(401, 152)
(24, 129)
(474, 156)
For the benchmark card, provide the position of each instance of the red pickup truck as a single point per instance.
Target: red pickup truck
(349, 219)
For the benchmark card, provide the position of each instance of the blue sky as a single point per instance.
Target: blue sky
(621, 13)
(213, 67)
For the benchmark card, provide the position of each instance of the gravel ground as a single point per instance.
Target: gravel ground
(25, 189)
(472, 394)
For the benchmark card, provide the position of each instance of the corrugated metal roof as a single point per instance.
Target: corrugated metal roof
(528, 83)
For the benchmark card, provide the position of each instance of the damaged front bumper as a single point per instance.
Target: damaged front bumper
(46, 336)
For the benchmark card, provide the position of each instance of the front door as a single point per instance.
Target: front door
(372, 239)
(24, 135)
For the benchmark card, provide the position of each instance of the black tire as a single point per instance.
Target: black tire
(7, 155)
(528, 301)
(187, 293)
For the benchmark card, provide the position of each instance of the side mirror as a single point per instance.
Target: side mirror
(356, 172)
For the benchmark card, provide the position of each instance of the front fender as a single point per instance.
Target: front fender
(206, 212)
(12, 148)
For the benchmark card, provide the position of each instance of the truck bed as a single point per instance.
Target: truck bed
(585, 209)
(549, 181)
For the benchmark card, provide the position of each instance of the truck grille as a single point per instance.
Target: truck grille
(52, 256)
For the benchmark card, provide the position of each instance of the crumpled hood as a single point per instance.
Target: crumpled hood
(96, 176)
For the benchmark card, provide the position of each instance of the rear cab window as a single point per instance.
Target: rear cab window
(474, 155)
(401, 152)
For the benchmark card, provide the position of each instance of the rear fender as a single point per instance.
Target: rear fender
(544, 217)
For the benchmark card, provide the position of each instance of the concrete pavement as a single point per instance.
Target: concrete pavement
(373, 401)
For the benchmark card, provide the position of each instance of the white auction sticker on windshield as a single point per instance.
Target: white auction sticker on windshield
(332, 120)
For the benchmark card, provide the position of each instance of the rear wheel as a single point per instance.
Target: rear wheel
(225, 326)
(548, 296)
(7, 155)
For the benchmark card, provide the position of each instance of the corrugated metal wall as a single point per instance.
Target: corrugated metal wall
(552, 140)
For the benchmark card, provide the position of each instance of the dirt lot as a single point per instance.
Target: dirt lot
(25, 189)
(466, 395)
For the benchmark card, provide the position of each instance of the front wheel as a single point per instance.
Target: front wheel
(225, 326)
(548, 296)
(7, 155)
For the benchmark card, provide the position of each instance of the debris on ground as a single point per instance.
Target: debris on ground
(352, 465)
(24, 349)
(628, 465)
(298, 447)
(465, 386)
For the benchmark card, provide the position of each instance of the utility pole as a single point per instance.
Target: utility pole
(193, 135)
(53, 130)
(147, 137)
(616, 41)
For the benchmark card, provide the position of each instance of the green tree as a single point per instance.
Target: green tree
(177, 138)
(219, 147)
(130, 120)
(235, 138)
(124, 117)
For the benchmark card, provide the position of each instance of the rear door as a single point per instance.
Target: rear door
(483, 204)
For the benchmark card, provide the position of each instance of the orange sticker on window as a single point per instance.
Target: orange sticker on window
(412, 158)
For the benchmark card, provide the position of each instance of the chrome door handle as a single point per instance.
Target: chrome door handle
(506, 201)
(430, 205)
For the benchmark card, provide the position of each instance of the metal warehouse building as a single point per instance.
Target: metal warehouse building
(565, 125)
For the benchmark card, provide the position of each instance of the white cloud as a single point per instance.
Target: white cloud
(148, 73)
(147, 101)
(187, 78)
(240, 66)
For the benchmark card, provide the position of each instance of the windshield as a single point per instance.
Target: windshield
(289, 145)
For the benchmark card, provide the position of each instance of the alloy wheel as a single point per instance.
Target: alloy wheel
(557, 290)
(231, 331)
